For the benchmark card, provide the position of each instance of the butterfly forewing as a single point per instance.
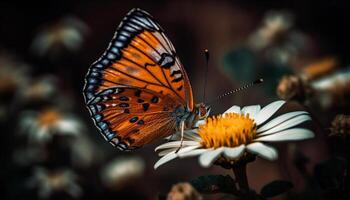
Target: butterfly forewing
(132, 91)
(140, 55)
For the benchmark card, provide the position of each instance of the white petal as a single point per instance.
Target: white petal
(251, 110)
(263, 150)
(234, 152)
(279, 120)
(42, 134)
(199, 122)
(67, 127)
(172, 155)
(191, 135)
(168, 137)
(287, 124)
(209, 157)
(195, 152)
(176, 144)
(166, 151)
(268, 111)
(233, 109)
(187, 137)
(165, 159)
(288, 135)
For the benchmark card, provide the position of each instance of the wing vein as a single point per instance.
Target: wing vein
(156, 61)
(131, 76)
(145, 67)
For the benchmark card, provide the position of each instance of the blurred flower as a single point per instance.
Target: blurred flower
(40, 89)
(229, 137)
(13, 79)
(122, 172)
(293, 87)
(340, 126)
(274, 23)
(340, 79)
(42, 125)
(319, 68)
(84, 152)
(332, 90)
(278, 43)
(13, 74)
(183, 191)
(273, 50)
(49, 182)
(68, 34)
(318, 84)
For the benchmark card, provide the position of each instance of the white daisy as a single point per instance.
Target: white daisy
(43, 125)
(122, 172)
(238, 132)
(68, 33)
(42, 88)
(14, 75)
(49, 182)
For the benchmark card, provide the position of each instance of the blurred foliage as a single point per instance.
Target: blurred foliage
(275, 188)
(214, 184)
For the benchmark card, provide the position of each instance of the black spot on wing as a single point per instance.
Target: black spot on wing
(166, 60)
(177, 79)
(175, 72)
(123, 98)
(138, 93)
(133, 120)
(154, 99)
(124, 105)
(145, 106)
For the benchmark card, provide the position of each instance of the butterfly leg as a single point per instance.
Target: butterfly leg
(182, 127)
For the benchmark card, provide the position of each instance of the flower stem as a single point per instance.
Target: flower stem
(240, 172)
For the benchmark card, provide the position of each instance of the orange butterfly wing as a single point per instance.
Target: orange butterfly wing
(140, 55)
(139, 58)
(131, 117)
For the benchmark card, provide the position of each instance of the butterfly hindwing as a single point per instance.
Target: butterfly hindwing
(140, 55)
(130, 117)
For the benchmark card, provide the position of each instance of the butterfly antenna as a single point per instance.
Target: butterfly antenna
(238, 89)
(206, 53)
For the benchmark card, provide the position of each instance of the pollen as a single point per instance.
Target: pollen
(228, 130)
(48, 117)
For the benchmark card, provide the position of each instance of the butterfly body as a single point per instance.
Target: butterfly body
(138, 91)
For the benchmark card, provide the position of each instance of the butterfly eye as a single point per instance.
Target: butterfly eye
(202, 111)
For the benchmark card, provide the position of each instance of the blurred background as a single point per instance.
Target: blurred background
(50, 148)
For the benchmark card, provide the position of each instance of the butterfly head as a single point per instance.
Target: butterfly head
(202, 111)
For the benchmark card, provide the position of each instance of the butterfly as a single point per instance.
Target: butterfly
(138, 90)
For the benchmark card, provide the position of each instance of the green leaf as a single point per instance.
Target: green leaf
(214, 184)
(275, 188)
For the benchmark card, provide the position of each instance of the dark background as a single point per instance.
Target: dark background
(192, 26)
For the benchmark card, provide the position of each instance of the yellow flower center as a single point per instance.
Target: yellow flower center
(228, 130)
(48, 117)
